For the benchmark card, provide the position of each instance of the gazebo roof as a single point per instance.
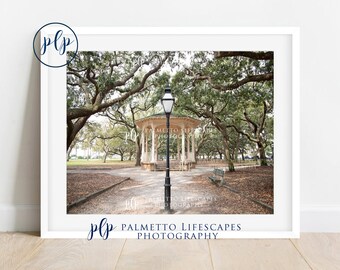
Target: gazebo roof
(177, 122)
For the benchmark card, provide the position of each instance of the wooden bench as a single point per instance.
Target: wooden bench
(217, 177)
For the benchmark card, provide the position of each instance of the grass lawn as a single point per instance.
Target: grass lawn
(98, 162)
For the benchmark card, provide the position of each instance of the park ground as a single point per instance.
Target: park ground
(121, 188)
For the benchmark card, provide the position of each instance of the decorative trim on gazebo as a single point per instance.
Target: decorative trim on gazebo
(182, 126)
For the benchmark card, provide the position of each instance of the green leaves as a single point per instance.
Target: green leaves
(232, 90)
(210, 89)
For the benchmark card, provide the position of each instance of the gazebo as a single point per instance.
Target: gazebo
(182, 128)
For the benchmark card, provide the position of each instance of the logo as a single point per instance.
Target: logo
(103, 228)
(56, 39)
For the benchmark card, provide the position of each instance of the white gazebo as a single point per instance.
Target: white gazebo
(182, 129)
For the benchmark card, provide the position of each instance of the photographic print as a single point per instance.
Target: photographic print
(192, 129)
(221, 130)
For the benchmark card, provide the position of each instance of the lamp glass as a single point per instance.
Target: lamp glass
(168, 102)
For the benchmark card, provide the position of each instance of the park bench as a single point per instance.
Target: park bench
(217, 177)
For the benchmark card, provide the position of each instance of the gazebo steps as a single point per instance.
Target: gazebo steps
(172, 168)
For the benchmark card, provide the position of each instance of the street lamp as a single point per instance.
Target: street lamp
(167, 103)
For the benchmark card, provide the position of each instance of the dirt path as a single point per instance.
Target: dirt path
(192, 193)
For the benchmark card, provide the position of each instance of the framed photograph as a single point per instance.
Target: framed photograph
(169, 133)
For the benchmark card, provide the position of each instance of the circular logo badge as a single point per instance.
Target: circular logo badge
(58, 44)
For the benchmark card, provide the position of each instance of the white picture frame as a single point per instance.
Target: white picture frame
(284, 41)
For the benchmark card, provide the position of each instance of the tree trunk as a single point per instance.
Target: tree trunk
(232, 154)
(105, 156)
(227, 155)
(237, 148)
(263, 158)
(121, 157)
(73, 129)
(272, 146)
(229, 161)
(69, 150)
(138, 152)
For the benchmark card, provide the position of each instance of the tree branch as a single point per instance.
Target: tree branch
(263, 116)
(252, 55)
(243, 133)
(232, 86)
(255, 127)
(79, 112)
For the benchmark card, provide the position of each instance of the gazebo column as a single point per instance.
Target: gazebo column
(143, 148)
(183, 145)
(153, 145)
(193, 145)
(146, 146)
(188, 146)
(156, 148)
(178, 148)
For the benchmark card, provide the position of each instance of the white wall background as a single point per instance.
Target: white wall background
(319, 22)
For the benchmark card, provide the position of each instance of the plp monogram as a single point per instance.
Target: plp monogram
(58, 45)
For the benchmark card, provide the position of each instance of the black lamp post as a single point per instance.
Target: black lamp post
(167, 102)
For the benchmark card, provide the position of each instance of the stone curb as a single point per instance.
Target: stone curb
(92, 195)
(249, 198)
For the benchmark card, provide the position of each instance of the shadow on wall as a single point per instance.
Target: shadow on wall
(26, 195)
